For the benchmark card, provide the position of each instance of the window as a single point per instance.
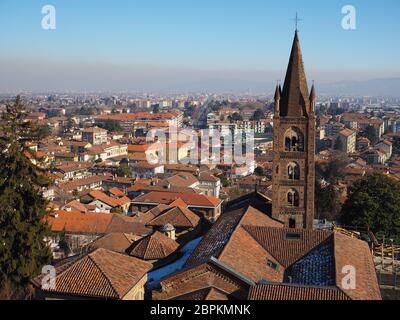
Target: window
(293, 236)
(273, 265)
(292, 223)
(293, 171)
(294, 140)
(293, 198)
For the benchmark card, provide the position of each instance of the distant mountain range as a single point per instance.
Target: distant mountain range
(373, 87)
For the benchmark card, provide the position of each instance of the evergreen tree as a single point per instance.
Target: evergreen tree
(327, 202)
(338, 144)
(124, 171)
(370, 133)
(23, 250)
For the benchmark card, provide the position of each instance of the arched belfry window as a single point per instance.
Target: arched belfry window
(294, 140)
(293, 198)
(293, 171)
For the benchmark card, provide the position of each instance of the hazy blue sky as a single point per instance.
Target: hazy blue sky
(191, 44)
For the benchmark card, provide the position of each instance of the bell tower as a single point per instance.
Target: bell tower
(294, 146)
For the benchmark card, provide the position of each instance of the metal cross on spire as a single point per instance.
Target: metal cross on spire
(297, 20)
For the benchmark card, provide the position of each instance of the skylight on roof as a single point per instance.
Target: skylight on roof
(293, 236)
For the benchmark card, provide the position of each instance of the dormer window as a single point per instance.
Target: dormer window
(273, 265)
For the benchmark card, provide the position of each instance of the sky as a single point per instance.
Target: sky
(177, 45)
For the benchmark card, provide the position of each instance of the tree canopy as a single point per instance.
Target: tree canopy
(258, 114)
(370, 133)
(236, 117)
(374, 204)
(327, 202)
(111, 126)
(23, 251)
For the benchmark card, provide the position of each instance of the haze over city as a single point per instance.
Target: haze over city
(180, 46)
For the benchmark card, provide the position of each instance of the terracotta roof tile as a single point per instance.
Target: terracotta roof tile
(116, 242)
(179, 217)
(169, 197)
(356, 253)
(100, 274)
(209, 293)
(286, 251)
(154, 247)
(284, 292)
(78, 222)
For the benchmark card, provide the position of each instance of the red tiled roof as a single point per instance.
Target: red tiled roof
(167, 198)
(356, 253)
(179, 217)
(179, 203)
(287, 251)
(78, 222)
(347, 132)
(182, 179)
(100, 274)
(116, 242)
(138, 147)
(76, 205)
(117, 192)
(114, 202)
(285, 292)
(209, 293)
(154, 247)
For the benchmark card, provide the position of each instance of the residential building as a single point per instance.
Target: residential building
(348, 139)
(95, 136)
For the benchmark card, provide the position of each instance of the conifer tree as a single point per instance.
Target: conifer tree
(23, 250)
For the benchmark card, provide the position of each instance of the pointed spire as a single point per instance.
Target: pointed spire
(313, 93)
(295, 99)
(277, 92)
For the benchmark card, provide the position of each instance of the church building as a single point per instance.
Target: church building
(294, 147)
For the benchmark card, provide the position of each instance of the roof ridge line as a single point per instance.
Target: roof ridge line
(233, 231)
(272, 255)
(103, 273)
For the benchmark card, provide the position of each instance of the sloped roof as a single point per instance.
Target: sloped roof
(218, 237)
(78, 222)
(356, 253)
(287, 251)
(125, 224)
(116, 242)
(180, 217)
(178, 203)
(100, 274)
(284, 292)
(210, 293)
(154, 247)
(182, 179)
(76, 205)
(169, 197)
(117, 192)
(295, 96)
